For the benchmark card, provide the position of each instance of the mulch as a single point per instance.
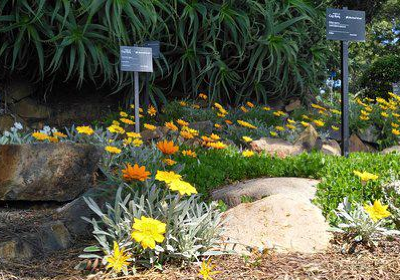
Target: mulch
(380, 263)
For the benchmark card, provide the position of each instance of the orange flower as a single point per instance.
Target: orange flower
(167, 147)
(135, 173)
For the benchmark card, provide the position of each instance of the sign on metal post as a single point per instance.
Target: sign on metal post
(345, 25)
(136, 59)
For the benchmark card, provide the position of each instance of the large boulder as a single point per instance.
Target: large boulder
(331, 147)
(293, 105)
(309, 139)
(357, 145)
(394, 149)
(47, 171)
(276, 147)
(284, 222)
(369, 134)
(259, 188)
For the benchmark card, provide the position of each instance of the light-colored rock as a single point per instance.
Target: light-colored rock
(47, 171)
(331, 147)
(276, 147)
(394, 149)
(280, 221)
(309, 139)
(293, 105)
(148, 135)
(28, 108)
(260, 188)
(15, 249)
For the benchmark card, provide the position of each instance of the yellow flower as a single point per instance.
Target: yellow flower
(85, 130)
(395, 125)
(123, 114)
(133, 135)
(396, 132)
(169, 161)
(215, 137)
(217, 126)
(114, 122)
(116, 129)
(377, 211)
(53, 139)
(246, 124)
(113, 150)
(247, 139)
(189, 153)
(137, 142)
(365, 176)
(335, 128)
(59, 134)
(40, 136)
(291, 127)
(266, 108)
(316, 106)
(182, 122)
(384, 114)
(291, 121)
(167, 176)
(305, 124)
(337, 112)
(279, 113)
(319, 123)
(365, 113)
(369, 109)
(186, 135)
(149, 126)
(118, 261)
(247, 153)
(183, 103)
(216, 145)
(273, 133)
(305, 117)
(152, 111)
(148, 232)
(182, 187)
(167, 147)
(220, 115)
(190, 130)
(218, 106)
(364, 118)
(125, 121)
(170, 125)
(203, 96)
(396, 115)
(251, 105)
(135, 173)
(280, 128)
(206, 270)
(244, 109)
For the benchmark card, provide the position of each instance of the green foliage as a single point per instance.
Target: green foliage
(231, 49)
(379, 77)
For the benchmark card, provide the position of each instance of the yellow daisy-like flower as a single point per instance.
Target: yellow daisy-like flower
(291, 121)
(183, 103)
(273, 133)
(170, 125)
(247, 139)
(167, 176)
(148, 232)
(203, 96)
(182, 187)
(246, 124)
(126, 121)
(169, 161)
(221, 115)
(196, 106)
(305, 117)
(217, 145)
(167, 147)
(85, 130)
(149, 126)
(217, 126)
(218, 106)
(113, 150)
(152, 111)
(123, 114)
(186, 135)
(244, 109)
(251, 105)
(365, 176)
(59, 134)
(114, 122)
(318, 123)
(364, 118)
(116, 129)
(384, 114)
(280, 128)
(266, 108)
(135, 172)
(54, 139)
(305, 124)
(335, 128)
(182, 122)
(133, 135)
(206, 270)
(215, 137)
(291, 127)
(137, 142)
(118, 261)
(228, 122)
(336, 112)
(40, 136)
(396, 132)
(189, 153)
(377, 211)
(395, 125)
(248, 153)
(316, 106)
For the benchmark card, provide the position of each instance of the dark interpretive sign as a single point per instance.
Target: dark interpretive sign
(345, 25)
(155, 47)
(136, 59)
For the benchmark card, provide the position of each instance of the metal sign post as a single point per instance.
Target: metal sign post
(345, 25)
(136, 59)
